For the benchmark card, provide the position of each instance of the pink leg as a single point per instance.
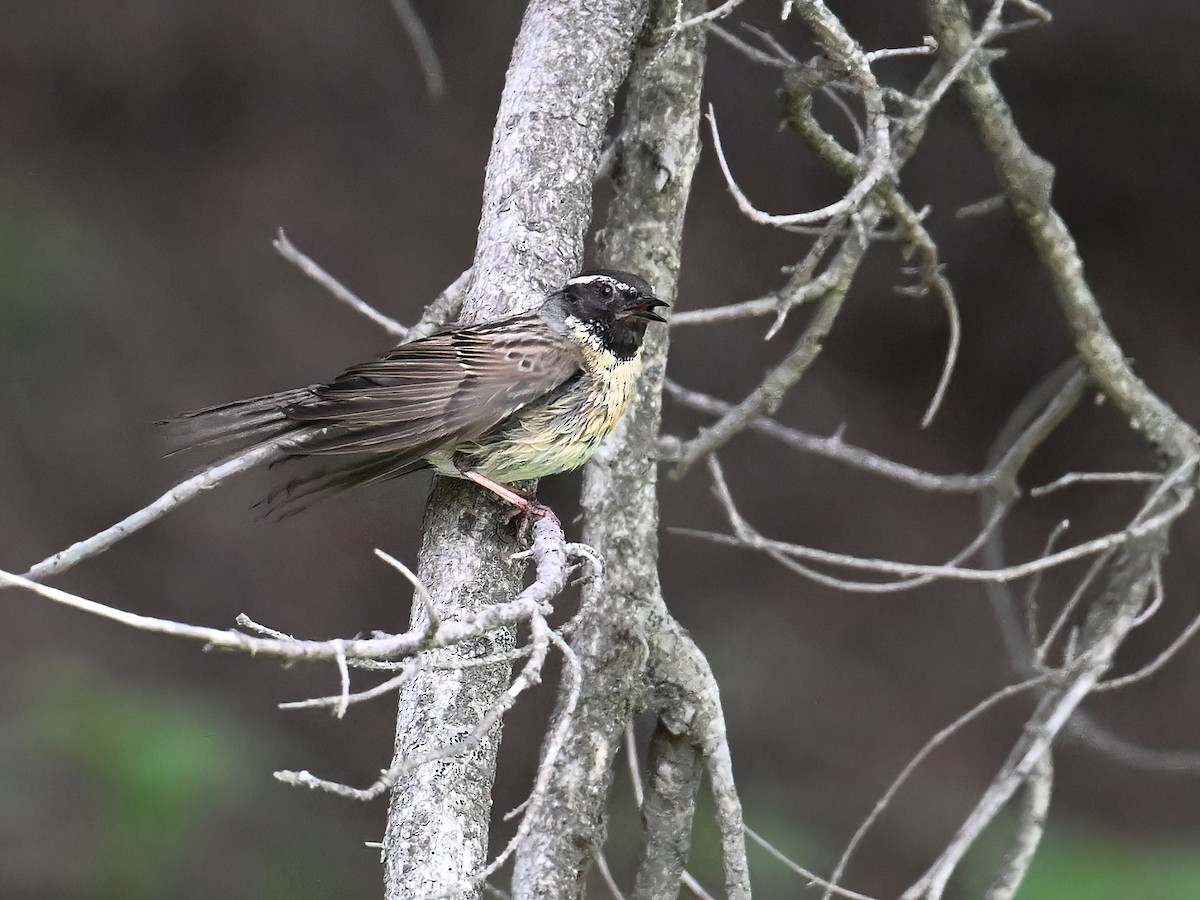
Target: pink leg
(528, 505)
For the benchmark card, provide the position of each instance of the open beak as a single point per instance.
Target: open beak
(644, 308)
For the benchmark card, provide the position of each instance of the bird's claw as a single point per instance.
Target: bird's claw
(528, 512)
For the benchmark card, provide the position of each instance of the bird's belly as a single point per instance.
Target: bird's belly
(555, 435)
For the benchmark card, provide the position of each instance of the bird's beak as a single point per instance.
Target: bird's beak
(643, 308)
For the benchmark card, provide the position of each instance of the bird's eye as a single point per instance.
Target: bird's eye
(606, 291)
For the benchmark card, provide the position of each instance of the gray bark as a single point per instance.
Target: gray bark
(674, 768)
(568, 62)
(658, 149)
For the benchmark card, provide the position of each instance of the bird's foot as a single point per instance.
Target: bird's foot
(526, 507)
(528, 512)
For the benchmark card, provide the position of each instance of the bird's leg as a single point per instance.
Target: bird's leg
(528, 506)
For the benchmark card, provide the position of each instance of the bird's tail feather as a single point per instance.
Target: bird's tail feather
(243, 424)
(301, 491)
(238, 425)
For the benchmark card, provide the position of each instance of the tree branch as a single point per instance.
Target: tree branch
(656, 156)
(536, 206)
(1113, 617)
(1027, 180)
(674, 766)
(1028, 833)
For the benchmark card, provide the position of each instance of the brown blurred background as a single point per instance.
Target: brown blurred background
(148, 153)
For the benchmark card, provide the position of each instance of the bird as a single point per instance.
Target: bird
(496, 402)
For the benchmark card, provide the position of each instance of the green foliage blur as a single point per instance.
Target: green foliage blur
(160, 793)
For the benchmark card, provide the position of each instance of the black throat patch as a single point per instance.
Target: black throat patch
(620, 337)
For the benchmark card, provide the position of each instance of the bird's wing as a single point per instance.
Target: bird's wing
(438, 391)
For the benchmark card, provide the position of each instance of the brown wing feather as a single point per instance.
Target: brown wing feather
(420, 397)
(438, 391)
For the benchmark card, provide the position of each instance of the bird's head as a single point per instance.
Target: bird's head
(613, 308)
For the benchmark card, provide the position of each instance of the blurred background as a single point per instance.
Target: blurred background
(149, 152)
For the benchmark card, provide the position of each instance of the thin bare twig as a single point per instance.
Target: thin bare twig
(1073, 478)
(904, 584)
(833, 447)
(1155, 664)
(1042, 650)
(718, 12)
(431, 66)
(635, 770)
(873, 174)
(773, 304)
(409, 669)
(552, 568)
(310, 268)
(743, 531)
(607, 875)
(390, 647)
(928, 48)
(812, 877)
(182, 492)
(750, 52)
(443, 309)
(1028, 832)
(1112, 618)
(343, 701)
(1181, 476)
(529, 675)
(933, 743)
(955, 573)
(1038, 414)
(432, 620)
(698, 890)
(765, 398)
(1113, 540)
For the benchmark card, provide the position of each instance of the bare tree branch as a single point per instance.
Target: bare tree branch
(182, 492)
(810, 877)
(431, 67)
(537, 204)
(552, 571)
(341, 293)
(1112, 618)
(675, 766)
(1027, 179)
(468, 741)
(1137, 530)
(656, 158)
(711, 15)
(872, 193)
(933, 743)
(765, 399)
(1028, 833)
(609, 881)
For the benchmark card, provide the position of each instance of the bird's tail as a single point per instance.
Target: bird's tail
(235, 426)
(244, 424)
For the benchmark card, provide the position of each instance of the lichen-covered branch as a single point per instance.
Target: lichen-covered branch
(689, 703)
(655, 158)
(1113, 616)
(536, 207)
(1027, 179)
(674, 768)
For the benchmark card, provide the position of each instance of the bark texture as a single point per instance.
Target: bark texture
(674, 767)
(568, 62)
(657, 153)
